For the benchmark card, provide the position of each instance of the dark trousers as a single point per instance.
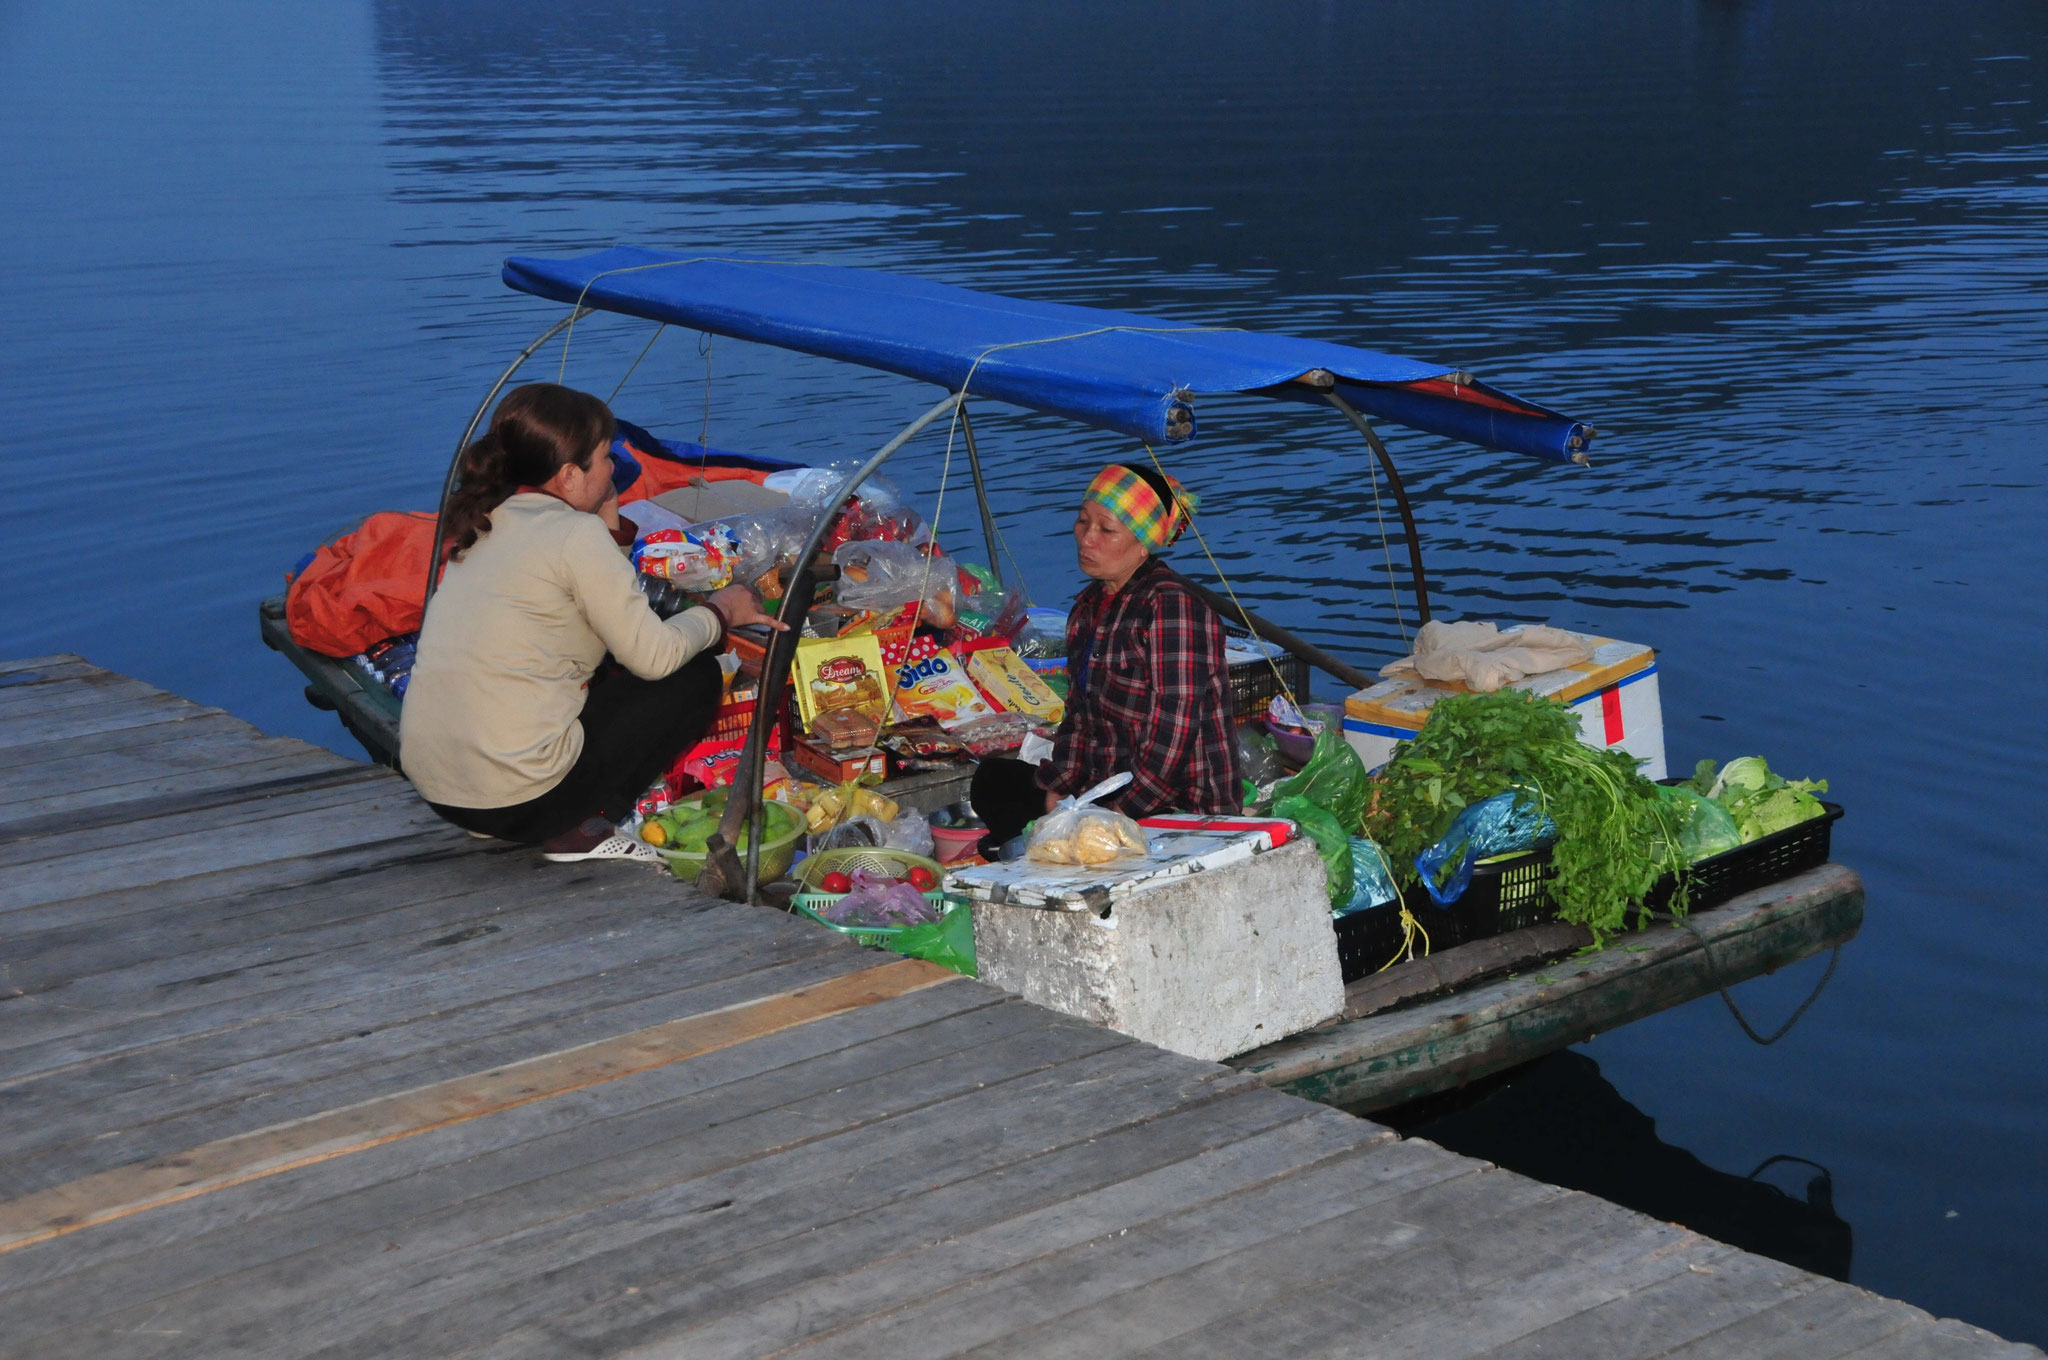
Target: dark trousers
(633, 730)
(1006, 795)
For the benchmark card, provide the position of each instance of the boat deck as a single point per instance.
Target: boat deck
(292, 1069)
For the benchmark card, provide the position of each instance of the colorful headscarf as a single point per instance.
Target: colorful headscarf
(1136, 505)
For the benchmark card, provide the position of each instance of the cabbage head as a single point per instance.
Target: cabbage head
(1760, 801)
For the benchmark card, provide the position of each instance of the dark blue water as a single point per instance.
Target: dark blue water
(1792, 258)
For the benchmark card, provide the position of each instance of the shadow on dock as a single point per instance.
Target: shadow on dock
(1559, 1120)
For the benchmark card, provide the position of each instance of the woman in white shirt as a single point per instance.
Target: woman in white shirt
(514, 723)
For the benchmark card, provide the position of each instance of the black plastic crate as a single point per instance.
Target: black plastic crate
(1514, 893)
(1253, 685)
(1506, 895)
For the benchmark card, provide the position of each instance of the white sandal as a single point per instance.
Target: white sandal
(612, 847)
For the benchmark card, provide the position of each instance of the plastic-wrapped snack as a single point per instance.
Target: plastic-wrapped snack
(1078, 832)
(923, 745)
(691, 559)
(997, 733)
(881, 575)
(764, 540)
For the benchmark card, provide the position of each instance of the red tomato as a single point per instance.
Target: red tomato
(922, 878)
(835, 883)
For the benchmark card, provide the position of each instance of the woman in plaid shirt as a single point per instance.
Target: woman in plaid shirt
(1148, 687)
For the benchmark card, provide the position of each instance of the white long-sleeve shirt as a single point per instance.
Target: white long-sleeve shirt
(511, 639)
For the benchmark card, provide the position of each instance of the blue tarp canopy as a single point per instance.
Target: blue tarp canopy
(1133, 374)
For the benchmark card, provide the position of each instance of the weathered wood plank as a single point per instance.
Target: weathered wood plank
(1945, 1339)
(1831, 1321)
(80, 778)
(103, 689)
(1708, 1295)
(167, 1000)
(376, 814)
(1386, 1059)
(773, 1112)
(495, 1280)
(217, 817)
(1462, 965)
(36, 663)
(637, 1117)
(267, 1152)
(78, 1136)
(1163, 1276)
(173, 725)
(1070, 1194)
(128, 799)
(94, 722)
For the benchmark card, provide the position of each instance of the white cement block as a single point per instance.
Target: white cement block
(1210, 965)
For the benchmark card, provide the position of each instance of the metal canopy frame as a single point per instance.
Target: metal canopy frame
(723, 873)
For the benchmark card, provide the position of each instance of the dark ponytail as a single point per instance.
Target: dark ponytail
(535, 430)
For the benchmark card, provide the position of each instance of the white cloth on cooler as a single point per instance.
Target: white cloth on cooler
(1485, 658)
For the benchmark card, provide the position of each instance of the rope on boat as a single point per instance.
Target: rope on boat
(634, 366)
(1721, 986)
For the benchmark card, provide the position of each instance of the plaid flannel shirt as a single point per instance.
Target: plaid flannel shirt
(1156, 700)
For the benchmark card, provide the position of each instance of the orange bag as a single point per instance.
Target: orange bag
(365, 586)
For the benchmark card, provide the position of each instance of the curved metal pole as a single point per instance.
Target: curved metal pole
(1379, 451)
(988, 521)
(455, 464)
(746, 799)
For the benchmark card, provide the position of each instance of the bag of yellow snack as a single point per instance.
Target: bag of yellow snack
(1077, 832)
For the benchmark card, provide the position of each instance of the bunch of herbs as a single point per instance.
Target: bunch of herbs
(1610, 820)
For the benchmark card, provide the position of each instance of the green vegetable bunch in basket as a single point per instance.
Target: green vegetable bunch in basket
(1613, 826)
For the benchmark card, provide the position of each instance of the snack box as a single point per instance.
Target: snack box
(1010, 684)
(937, 687)
(1614, 696)
(836, 769)
(840, 673)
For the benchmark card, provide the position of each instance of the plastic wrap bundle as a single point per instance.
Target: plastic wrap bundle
(876, 901)
(1705, 828)
(1372, 878)
(882, 575)
(1501, 825)
(762, 539)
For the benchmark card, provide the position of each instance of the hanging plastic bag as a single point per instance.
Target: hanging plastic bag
(1077, 832)
(1333, 843)
(1501, 825)
(1334, 778)
(763, 539)
(1257, 761)
(1372, 879)
(910, 831)
(882, 575)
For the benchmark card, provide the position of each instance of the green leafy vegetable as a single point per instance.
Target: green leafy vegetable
(1760, 801)
(1611, 822)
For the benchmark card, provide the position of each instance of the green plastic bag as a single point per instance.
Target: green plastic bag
(1704, 827)
(1334, 778)
(1333, 843)
(948, 941)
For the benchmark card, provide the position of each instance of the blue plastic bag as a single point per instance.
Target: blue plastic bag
(1500, 825)
(1372, 878)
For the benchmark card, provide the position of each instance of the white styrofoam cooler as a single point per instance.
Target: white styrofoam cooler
(1209, 963)
(1614, 695)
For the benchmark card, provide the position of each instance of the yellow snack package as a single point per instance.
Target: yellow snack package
(841, 672)
(1014, 686)
(937, 687)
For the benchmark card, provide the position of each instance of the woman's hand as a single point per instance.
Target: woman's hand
(740, 608)
(608, 508)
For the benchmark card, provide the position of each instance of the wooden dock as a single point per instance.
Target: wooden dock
(289, 1068)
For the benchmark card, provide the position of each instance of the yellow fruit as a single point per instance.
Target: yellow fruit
(651, 832)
